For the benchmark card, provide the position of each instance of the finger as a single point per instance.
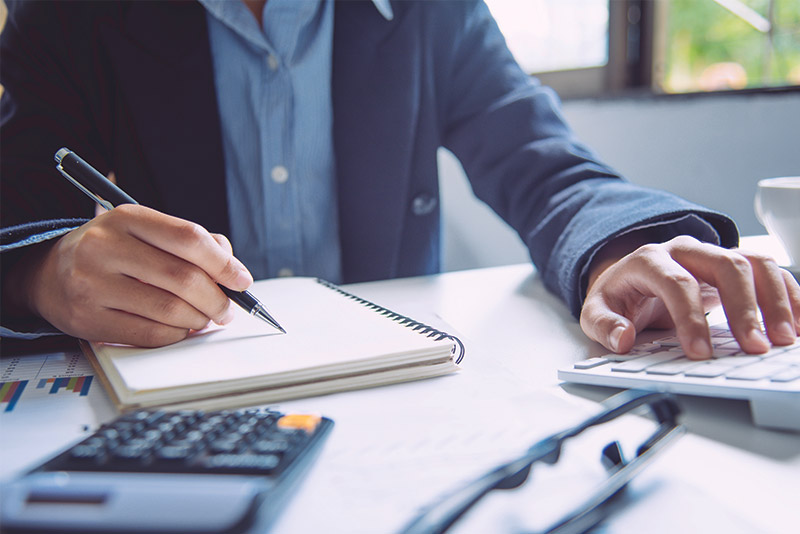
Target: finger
(773, 299)
(180, 278)
(150, 302)
(793, 289)
(602, 324)
(188, 241)
(223, 242)
(115, 326)
(732, 275)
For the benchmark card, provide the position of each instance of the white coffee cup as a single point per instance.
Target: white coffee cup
(777, 206)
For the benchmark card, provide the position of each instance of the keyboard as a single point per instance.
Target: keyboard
(770, 381)
(156, 471)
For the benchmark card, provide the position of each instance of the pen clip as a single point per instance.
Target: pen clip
(105, 203)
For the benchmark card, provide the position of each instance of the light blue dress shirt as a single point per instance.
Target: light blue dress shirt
(274, 95)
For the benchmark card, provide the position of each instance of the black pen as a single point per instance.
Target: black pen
(107, 194)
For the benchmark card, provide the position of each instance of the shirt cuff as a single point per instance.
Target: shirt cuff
(657, 232)
(12, 242)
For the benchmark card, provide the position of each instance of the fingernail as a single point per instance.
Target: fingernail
(615, 337)
(243, 278)
(701, 347)
(757, 336)
(785, 331)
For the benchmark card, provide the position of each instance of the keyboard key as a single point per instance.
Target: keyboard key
(673, 367)
(787, 375)
(708, 370)
(642, 363)
(789, 358)
(755, 371)
(671, 341)
(721, 352)
(589, 363)
(737, 361)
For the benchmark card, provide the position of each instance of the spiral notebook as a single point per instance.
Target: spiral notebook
(335, 341)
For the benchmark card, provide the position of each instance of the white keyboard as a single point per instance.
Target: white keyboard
(771, 381)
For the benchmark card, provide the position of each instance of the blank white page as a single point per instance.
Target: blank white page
(326, 333)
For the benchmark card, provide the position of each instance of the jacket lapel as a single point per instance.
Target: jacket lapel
(373, 138)
(163, 61)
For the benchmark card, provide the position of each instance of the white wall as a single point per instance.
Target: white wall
(711, 149)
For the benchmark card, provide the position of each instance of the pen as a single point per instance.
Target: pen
(107, 194)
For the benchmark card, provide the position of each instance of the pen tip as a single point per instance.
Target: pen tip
(267, 318)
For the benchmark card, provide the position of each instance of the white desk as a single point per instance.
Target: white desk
(395, 447)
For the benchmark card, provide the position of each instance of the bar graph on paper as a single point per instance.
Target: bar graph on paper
(35, 376)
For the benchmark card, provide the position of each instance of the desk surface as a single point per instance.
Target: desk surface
(395, 448)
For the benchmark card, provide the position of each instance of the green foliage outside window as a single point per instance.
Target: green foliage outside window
(711, 47)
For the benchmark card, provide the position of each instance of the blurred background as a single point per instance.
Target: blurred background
(697, 97)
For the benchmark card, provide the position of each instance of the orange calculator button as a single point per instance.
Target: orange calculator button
(298, 421)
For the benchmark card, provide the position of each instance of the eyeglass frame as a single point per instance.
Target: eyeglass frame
(440, 516)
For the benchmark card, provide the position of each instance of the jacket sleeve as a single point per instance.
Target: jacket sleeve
(524, 161)
(45, 105)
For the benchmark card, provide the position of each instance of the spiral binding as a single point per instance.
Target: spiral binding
(422, 328)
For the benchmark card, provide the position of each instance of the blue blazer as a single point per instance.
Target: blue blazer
(130, 87)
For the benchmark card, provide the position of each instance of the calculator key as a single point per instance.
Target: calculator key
(244, 463)
(175, 452)
(273, 446)
(307, 422)
(224, 446)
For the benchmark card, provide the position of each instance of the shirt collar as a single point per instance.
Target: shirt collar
(384, 8)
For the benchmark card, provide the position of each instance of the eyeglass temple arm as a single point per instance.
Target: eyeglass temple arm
(439, 517)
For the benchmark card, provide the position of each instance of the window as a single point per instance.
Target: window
(591, 47)
(715, 45)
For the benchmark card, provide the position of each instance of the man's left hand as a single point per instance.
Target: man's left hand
(673, 284)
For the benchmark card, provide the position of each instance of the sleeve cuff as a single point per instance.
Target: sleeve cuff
(657, 232)
(12, 242)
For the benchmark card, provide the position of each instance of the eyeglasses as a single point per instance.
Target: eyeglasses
(439, 517)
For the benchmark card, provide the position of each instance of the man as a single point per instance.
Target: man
(307, 131)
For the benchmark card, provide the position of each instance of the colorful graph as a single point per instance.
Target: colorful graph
(76, 384)
(10, 392)
(49, 373)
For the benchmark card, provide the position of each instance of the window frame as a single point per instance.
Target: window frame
(637, 42)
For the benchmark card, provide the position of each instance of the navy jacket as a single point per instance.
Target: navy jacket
(129, 86)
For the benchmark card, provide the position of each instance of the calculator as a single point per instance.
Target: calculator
(169, 472)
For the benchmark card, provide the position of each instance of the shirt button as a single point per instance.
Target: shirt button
(285, 272)
(423, 204)
(272, 62)
(279, 174)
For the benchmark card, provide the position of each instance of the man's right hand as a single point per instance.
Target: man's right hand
(132, 275)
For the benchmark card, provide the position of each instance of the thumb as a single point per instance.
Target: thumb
(602, 324)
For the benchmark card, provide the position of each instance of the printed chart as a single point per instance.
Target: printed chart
(50, 374)
(53, 399)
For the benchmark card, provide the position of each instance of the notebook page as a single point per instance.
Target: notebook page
(325, 331)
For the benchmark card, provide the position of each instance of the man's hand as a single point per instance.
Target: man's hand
(673, 284)
(133, 275)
